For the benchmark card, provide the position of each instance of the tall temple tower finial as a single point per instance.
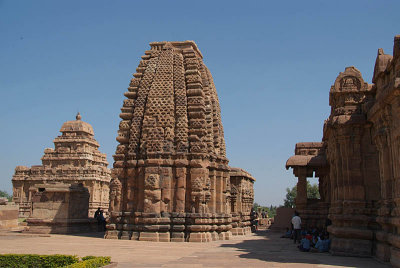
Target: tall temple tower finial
(78, 116)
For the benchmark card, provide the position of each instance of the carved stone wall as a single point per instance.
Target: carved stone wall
(362, 147)
(352, 159)
(8, 214)
(75, 159)
(171, 176)
(241, 200)
(60, 208)
(385, 118)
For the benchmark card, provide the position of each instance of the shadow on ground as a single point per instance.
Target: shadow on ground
(91, 234)
(269, 247)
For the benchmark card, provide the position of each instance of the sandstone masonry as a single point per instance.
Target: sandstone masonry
(75, 159)
(358, 163)
(171, 179)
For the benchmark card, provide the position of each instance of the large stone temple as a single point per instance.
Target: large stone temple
(357, 163)
(75, 160)
(171, 179)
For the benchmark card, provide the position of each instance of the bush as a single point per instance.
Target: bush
(35, 260)
(88, 258)
(51, 261)
(91, 262)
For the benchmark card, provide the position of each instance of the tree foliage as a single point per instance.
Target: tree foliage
(272, 211)
(6, 195)
(312, 192)
(289, 201)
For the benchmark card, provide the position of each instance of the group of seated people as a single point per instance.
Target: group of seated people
(312, 240)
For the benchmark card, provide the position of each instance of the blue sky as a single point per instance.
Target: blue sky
(273, 63)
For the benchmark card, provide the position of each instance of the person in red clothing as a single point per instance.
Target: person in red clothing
(309, 236)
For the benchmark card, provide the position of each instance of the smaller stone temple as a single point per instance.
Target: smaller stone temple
(74, 160)
(242, 199)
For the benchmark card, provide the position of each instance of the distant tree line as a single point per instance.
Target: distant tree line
(271, 210)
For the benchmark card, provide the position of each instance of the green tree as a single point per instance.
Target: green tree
(6, 195)
(271, 211)
(312, 192)
(255, 206)
(291, 194)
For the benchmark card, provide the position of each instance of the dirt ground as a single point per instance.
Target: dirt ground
(263, 249)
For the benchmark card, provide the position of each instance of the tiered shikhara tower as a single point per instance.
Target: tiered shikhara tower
(75, 159)
(171, 176)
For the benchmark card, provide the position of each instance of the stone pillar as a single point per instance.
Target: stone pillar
(178, 216)
(180, 189)
(301, 198)
(166, 187)
(152, 190)
(130, 204)
(213, 201)
(218, 192)
(385, 211)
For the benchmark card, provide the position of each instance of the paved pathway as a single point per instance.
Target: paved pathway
(264, 249)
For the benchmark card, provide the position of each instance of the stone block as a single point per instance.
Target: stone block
(383, 251)
(126, 235)
(135, 236)
(164, 237)
(149, 236)
(112, 234)
(8, 216)
(177, 237)
(351, 247)
(197, 237)
(395, 257)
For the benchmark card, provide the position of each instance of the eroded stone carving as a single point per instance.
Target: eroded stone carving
(115, 195)
(359, 180)
(241, 200)
(172, 151)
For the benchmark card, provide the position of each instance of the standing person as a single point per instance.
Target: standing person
(296, 221)
(256, 221)
(102, 221)
(253, 216)
(98, 215)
